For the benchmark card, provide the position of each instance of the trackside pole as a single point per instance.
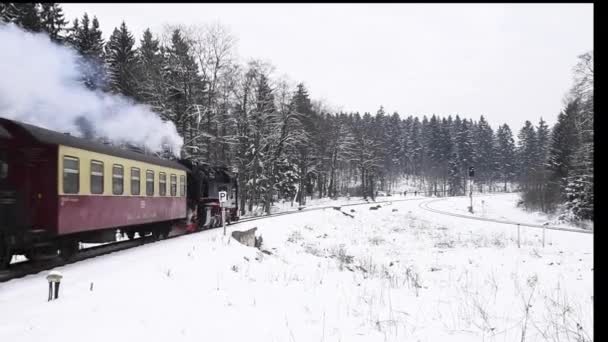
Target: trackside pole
(544, 229)
(222, 195)
(224, 218)
(518, 243)
(471, 196)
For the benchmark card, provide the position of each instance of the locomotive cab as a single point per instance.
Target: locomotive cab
(204, 184)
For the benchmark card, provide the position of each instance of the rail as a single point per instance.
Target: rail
(425, 206)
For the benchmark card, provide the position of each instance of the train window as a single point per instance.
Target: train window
(96, 177)
(173, 185)
(135, 181)
(162, 184)
(182, 188)
(150, 183)
(118, 181)
(71, 175)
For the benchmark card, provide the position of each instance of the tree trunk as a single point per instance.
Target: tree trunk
(364, 193)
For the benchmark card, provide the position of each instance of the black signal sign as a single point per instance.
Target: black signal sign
(471, 171)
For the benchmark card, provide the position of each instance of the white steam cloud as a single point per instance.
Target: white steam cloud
(39, 85)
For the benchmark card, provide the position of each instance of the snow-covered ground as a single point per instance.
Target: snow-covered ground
(285, 205)
(398, 273)
(499, 207)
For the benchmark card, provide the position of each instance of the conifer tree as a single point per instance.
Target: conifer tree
(484, 152)
(121, 60)
(8, 12)
(466, 149)
(86, 38)
(184, 89)
(26, 15)
(306, 148)
(52, 20)
(150, 87)
(505, 154)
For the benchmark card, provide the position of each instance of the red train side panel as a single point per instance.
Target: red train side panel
(88, 213)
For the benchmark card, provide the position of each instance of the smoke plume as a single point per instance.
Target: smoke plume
(40, 85)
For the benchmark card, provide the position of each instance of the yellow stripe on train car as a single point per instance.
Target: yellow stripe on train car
(84, 161)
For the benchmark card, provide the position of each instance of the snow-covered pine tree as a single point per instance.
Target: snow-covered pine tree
(416, 147)
(394, 138)
(434, 155)
(184, 88)
(150, 87)
(505, 154)
(465, 146)
(121, 60)
(540, 165)
(455, 177)
(7, 12)
(24, 14)
(526, 154)
(86, 38)
(52, 20)
(564, 141)
(446, 151)
(485, 153)
(262, 122)
(307, 147)
(580, 190)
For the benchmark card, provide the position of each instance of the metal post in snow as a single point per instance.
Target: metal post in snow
(471, 176)
(544, 229)
(54, 279)
(471, 194)
(224, 218)
(518, 243)
(222, 195)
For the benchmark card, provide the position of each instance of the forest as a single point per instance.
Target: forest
(285, 145)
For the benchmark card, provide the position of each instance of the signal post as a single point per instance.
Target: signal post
(471, 176)
(222, 196)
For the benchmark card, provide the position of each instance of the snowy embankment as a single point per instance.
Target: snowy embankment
(392, 274)
(287, 206)
(500, 207)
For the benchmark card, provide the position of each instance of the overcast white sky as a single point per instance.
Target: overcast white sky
(508, 62)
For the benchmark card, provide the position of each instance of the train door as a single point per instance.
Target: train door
(7, 194)
(8, 209)
(39, 188)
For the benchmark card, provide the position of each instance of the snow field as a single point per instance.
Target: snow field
(383, 275)
(500, 207)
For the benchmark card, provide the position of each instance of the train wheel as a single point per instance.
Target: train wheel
(5, 256)
(40, 253)
(131, 235)
(69, 249)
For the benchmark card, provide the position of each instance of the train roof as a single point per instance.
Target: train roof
(50, 137)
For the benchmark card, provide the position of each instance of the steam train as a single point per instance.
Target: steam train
(57, 190)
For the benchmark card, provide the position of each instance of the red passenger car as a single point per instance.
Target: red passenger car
(57, 190)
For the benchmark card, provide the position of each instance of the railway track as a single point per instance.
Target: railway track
(425, 206)
(25, 268)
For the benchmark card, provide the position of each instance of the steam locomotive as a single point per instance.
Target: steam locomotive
(57, 190)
